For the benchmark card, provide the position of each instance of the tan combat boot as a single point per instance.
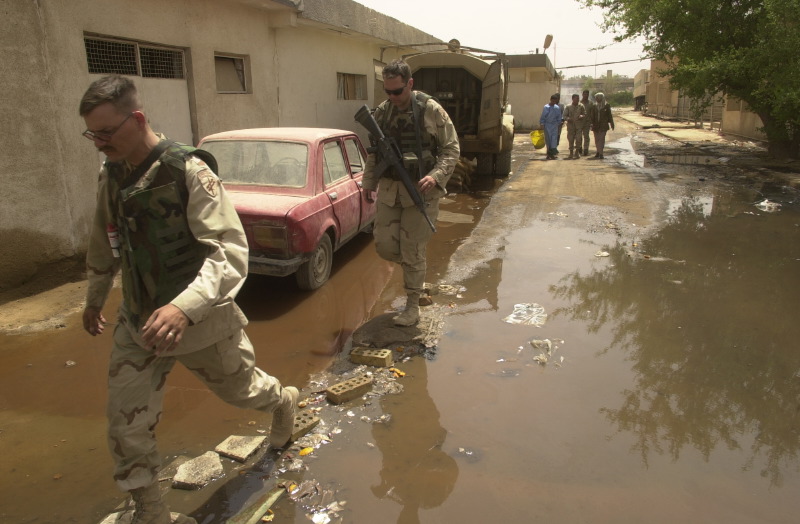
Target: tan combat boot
(283, 417)
(410, 315)
(148, 506)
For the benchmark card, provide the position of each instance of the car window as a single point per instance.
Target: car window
(334, 167)
(262, 162)
(354, 155)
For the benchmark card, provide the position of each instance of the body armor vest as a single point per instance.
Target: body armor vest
(160, 256)
(401, 129)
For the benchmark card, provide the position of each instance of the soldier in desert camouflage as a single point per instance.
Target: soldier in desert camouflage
(164, 221)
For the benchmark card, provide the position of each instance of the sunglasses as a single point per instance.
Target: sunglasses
(105, 136)
(396, 92)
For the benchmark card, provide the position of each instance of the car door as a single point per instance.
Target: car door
(342, 190)
(357, 159)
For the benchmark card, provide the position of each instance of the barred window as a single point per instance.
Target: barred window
(124, 57)
(161, 63)
(107, 56)
(351, 87)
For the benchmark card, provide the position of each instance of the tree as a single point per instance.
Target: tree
(747, 49)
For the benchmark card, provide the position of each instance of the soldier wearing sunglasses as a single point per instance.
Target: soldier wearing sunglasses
(429, 144)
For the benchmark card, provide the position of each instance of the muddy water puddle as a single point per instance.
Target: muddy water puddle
(669, 392)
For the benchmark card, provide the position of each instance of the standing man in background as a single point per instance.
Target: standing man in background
(428, 141)
(588, 103)
(574, 116)
(551, 121)
(164, 220)
(602, 120)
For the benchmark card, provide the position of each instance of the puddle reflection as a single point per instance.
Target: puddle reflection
(706, 316)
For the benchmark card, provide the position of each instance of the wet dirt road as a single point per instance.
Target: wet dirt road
(670, 392)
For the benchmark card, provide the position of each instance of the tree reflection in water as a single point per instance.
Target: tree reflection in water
(709, 323)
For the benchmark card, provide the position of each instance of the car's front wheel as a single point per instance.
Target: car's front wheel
(315, 271)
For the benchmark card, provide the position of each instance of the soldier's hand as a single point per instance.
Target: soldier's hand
(426, 184)
(93, 321)
(164, 329)
(369, 195)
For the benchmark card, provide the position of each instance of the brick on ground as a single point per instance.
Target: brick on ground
(372, 357)
(349, 389)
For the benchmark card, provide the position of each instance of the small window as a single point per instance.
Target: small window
(354, 156)
(334, 167)
(231, 74)
(351, 87)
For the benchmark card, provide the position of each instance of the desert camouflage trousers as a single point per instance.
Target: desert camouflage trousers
(401, 236)
(575, 137)
(136, 386)
(584, 131)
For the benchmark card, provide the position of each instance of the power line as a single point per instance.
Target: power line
(603, 63)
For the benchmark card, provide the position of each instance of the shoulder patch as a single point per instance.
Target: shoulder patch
(209, 181)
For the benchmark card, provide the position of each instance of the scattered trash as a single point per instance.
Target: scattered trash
(506, 373)
(472, 455)
(602, 254)
(769, 207)
(70, 363)
(446, 289)
(529, 314)
(546, 350)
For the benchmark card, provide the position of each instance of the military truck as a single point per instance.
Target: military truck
(472, 86)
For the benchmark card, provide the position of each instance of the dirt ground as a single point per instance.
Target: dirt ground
(58, 289)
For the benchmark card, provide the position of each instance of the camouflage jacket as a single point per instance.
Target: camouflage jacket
(442, 138)
(208, 298)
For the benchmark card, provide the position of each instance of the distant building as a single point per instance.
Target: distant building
(729, 115)
(532, 79)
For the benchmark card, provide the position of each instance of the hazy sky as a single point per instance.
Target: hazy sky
(518, 27)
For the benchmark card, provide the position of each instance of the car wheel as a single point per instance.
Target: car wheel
(315, 271)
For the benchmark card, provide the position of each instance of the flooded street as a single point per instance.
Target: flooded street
(663, 385)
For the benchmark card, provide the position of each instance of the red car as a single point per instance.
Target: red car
(298, 193)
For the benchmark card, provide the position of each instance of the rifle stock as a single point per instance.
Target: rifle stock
(391, 153)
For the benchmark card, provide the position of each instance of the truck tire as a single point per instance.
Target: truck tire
(315, 271)
(503, 164)
(485, 164)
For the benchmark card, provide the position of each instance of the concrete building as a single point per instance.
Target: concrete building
(532, 79)
(202, 66)
(728, 115)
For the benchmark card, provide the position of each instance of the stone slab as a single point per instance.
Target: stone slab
(196, 473)
(238, 447)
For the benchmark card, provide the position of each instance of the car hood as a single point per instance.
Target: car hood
(255, 204)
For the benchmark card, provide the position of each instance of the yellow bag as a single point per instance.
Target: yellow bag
(537, 137)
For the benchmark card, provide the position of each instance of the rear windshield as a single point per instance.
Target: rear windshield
(260, 162)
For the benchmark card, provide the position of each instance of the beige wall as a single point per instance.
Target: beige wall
(739, 120)
(527, 101)
(50, 170)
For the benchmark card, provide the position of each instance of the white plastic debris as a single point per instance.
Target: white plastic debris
(769, 207)
(602, 254)
(529, 314)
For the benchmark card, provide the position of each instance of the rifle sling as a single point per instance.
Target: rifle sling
(417, 132)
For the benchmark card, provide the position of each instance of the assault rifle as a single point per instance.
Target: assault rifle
(391, 155)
